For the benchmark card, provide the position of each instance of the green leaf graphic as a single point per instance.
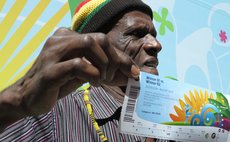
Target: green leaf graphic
(156, 17)
(170, 26)
(222, 99)
(170, 77)
(162, 19)
(164, 13)
(162, 29)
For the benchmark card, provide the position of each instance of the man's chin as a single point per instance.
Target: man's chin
(150, 70)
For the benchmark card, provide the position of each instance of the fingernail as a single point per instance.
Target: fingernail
(135, 71)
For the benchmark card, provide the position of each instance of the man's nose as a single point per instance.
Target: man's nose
(151, 45)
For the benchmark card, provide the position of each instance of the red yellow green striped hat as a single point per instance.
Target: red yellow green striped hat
(91, 15)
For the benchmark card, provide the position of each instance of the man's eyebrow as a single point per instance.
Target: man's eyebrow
(137, 27)
(148, 28)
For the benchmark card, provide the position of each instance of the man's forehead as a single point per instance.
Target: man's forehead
(134, 17)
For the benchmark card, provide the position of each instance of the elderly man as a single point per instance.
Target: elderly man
(110, 41)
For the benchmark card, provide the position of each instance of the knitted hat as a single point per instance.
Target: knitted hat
(91, 15)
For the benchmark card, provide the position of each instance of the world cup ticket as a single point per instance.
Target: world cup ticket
(167, 109)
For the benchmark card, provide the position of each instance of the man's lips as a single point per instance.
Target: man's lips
(150, 66)
(151, 63)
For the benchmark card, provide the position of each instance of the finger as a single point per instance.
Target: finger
(86, 46)
(119, 79)
(63, 31)
(118, 60)
(127, 66)
(111, 54)
(96, 55)
(69, 87)
(77, 68)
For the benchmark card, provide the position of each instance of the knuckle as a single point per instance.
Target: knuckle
(103, 40)
(78, 64)
(50, 41)
(88, 41)
(55, 45)
(106, 62)
(101, 37)
(78, 67)
(46, 76)
(61, 31)
(48, 57)
(48, 53)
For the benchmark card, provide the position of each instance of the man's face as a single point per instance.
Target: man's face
(135, 35)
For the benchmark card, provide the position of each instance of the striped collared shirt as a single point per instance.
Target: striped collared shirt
(69, 121)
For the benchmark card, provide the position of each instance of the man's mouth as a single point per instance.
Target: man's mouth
(151, 63)
(150, 66)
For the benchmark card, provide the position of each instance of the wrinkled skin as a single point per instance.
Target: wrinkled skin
(68, 59)
(135, 35)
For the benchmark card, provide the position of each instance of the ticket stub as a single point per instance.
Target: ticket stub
(167, 109)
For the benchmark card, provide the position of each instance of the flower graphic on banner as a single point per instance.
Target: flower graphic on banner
(163, 20)
(223, 36)
(202, 109)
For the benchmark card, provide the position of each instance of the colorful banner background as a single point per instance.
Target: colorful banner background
(194, 36)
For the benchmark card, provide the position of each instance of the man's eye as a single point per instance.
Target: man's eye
(138, 33)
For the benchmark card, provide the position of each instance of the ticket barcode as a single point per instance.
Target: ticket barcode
(133, 93)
